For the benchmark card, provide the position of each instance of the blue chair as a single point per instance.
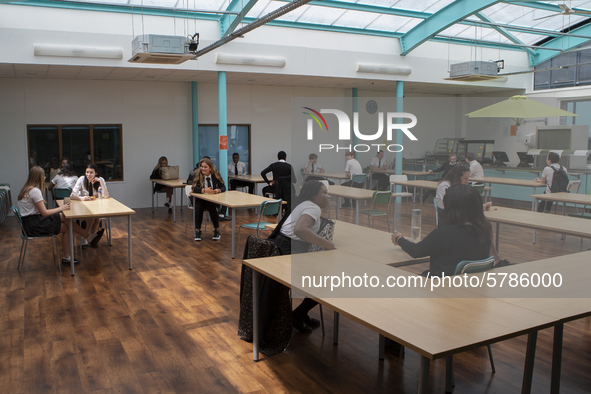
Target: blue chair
(268, 208)
(470, 267)
(25, 238)
(378, 198)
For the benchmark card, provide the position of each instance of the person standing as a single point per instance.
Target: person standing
(283, 179)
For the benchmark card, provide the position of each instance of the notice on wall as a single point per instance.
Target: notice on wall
(223, 142)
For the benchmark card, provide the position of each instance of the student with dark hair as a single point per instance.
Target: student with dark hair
(157, 174)
(379, 163)
(208, 181)
(283, 179)
(459, 174)
(65, 179)
(313, 167)
(238, 168)
(296, 232)
(476, 170)
(466, 234)
(86, 188)
(547, 177)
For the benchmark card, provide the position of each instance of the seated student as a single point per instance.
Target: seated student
(208, 181)
(379, 163)
(547, 178)
(86, 188)
(476, 170)
(444, 169)
(38, 220)
(467, 234)
(352, 167)
(296, 232)
(313, 167)
(239, 168)
(65, 179)
(157, 174)
(458, 175)
(195, 171)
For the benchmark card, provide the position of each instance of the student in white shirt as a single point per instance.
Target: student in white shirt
(476, 170)
(379, 163)
(313, 167)
(547, 176)
(40, 221)
(86, 189)
(239, 168)
(352, 168)
(65, 179)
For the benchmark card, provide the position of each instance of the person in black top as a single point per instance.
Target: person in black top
(208, 181)
(467, 234)
(283, 180)
(444, 169)
(156, 174)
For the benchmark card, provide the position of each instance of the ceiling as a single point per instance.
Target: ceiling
(170, 75)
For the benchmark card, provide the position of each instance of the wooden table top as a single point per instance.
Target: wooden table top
(350, 192)
(540, 221)
(508, 181)
(419, 183)
(574, 198)
(233, 199)
(99, 208)
(404, 172)
(181, 182)
(254, 178)
(372, 244)
(432, 326)
(334, 175)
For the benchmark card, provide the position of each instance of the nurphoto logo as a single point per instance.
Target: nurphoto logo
(344, 132)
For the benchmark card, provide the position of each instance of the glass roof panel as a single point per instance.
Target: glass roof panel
(394, 23)
(356, 19)
(321, 15)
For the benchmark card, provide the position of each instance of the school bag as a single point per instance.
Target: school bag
(559, 180)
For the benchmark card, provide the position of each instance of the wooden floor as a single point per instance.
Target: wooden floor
(170, 324)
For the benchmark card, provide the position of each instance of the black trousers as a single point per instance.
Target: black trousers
(200, 206)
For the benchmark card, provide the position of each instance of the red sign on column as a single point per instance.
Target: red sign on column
(223, 142)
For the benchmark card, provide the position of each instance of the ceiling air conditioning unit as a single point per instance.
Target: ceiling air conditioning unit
(160, 49)
(474, 71)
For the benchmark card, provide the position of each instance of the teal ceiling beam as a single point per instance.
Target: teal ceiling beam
(123, 9)
(381, 33)
(562, 43)
(369, 8)
(505, 33)
(229, 22)
(441, 20)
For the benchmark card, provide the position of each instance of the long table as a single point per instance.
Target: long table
(175, 184)
(333, 175)
(99, 208)
(510, 181)
(563, 197)
(255, 179)
(538, 221)
(433, 327)
(352, 193)
(231, 199)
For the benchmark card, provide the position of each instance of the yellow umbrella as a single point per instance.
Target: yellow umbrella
(518, 108)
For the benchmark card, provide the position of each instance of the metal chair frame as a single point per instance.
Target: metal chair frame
(267, 208)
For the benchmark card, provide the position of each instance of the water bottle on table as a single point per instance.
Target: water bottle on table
(100, 192)
(415, 227)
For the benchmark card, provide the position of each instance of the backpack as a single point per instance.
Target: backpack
(559, 181)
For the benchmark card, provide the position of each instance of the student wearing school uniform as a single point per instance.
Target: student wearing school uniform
(157, 174)
(313, 167)
(208, 181)
(352, 167)
(476, 170)
(547, 177)
(236, 168)
(86, 188)
(38, 220)
(443, 169)
(379, 163)
(65, 179)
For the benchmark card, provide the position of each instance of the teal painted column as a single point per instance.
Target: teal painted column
(195, 123)
(223, 124)
(355, 102)
(398, 155)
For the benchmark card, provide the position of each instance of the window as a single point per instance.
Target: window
(581, 108)
(561, 71)
(81, 144)
(238, 142)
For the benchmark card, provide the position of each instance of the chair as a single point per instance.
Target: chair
(479, 187)
(59, 193)
(188, 190)
(359, 178)
(378, 198)
(268, 208)
(155, 192)
(394, 179)
(25, 238)
(470, 267)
